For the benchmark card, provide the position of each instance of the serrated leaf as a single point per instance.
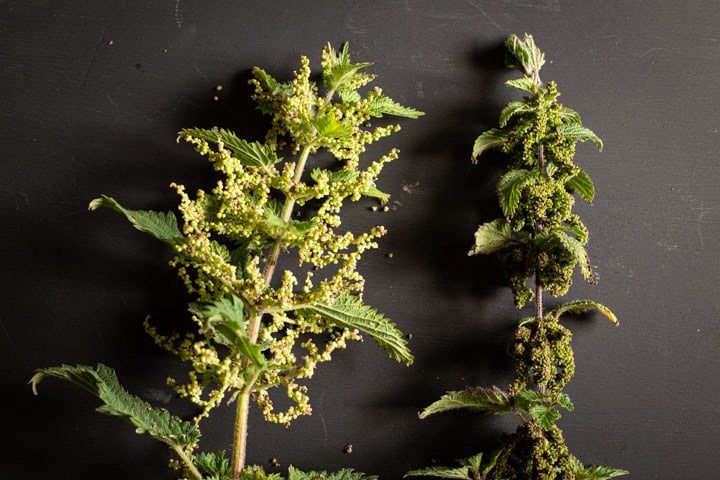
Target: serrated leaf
(579, 133)
(582, 306)
(102, 382)
(564, 401)
(339, 74)
(512, 109)
(595, 472)
(568, 114)
(349, 312)
(330, 127)
(525, 84)
(250, 154)
(380, 105)
(457, 473)
(492, 237)
(162, 226)
(486, 400)
(509, 189)
(524, 55)
(225, 319)
(577, 250)
(581, 183)
(215, 465)
(343, 474)
(487, 140)
(534, 404)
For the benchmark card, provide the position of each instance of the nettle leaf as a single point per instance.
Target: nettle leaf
(581, 183)
(489, 139)
(595, 472)
(348, 311)
(577, 250)
(161, 225)
(459, 473)
(486, 400)
(330, 127)
(340, 74)
(380, 105)
(534, 404)
(225, 320)
(524, 55)
(215, 465)
(582, 306)
(568, 114)
(512, 109)
(525, 84)
(578, 133)
(250, 154)
(509, 189)
(492, 237)
(102, 382)
(343, 474)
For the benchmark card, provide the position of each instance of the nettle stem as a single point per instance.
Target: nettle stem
(243, 406)
(538, 230)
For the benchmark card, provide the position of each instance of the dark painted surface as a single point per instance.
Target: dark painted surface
(94, 92)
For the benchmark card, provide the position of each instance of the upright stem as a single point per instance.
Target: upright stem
(538, 228)
(240, 441)
(243, 406)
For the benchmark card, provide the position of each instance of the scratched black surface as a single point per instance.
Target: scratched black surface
(92, 94)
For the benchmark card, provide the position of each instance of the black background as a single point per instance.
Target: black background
(94, 92)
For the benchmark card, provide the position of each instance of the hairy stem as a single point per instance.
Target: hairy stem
(188, 462)
(243, 407)
(240, 440)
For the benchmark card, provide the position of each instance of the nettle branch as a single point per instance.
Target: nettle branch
(260, 330)
(541, 241)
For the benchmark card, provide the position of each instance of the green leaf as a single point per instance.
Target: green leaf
(162, 226)
(568, 114)
(509, 189)
(595, 472)
(458, 473)
(380, 105)
(512, 109)
(215, 465)
(524, 55)
(577, 250)
(525, 84)
(582, 306)
(535, 404)
(578, 133)
(349, 312)
(489, 139)
(492, 237)
(486, 400)
(225, 319)
(564, 401)
(339, 74)
(250, 154)
(329, 127)
(343, 474)
(581, 183)
(102, 382)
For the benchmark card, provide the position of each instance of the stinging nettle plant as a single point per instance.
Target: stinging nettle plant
(540, 242)
(260, 329)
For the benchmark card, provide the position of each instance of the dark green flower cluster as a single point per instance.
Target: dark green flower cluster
(532, 453)
(542, 355)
